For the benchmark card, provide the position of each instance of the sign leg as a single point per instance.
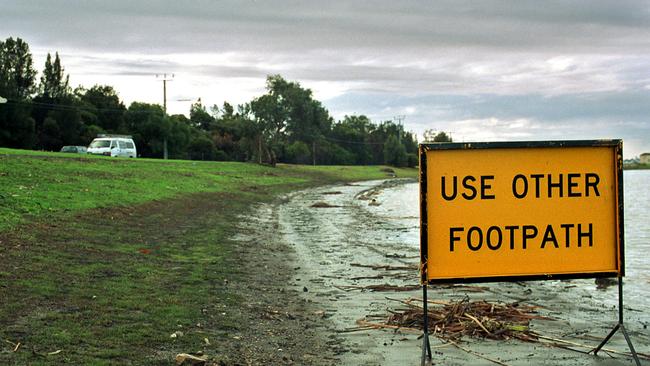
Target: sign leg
(620, 326)
(426, 346)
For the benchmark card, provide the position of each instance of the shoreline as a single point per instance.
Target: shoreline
(339, 261)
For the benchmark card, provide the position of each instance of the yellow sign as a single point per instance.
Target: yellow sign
(526, 210)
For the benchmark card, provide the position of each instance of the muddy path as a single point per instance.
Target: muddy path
(354, 243)
(139, 285)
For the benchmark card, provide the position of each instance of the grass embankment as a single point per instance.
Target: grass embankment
(37, 184)
(636, 166)
(103, 259)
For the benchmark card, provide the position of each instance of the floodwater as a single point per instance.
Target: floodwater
(637, 236)
(400, 205)
(344, 244)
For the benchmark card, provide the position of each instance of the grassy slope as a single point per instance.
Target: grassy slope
(104, 258)
(36, 184)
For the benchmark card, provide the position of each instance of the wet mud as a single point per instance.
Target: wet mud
(356, 251)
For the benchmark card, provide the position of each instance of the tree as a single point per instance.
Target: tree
(237, 133)
(201, 147)
(394, 152)
(298, 153)
(17, 73)
(352, 134)
(179, 136)
(431, 136)
(68, 117)
(54, 83)
(101, 106)
(17, 84)
(17, 127)
(56, 101)
(199, 116)
(50, 135)
(149, 126)
(288, 113)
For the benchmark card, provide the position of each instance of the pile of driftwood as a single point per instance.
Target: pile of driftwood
(453, 320)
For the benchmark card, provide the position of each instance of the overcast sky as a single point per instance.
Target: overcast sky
(481, 70)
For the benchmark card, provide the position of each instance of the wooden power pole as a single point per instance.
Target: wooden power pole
(165, 78)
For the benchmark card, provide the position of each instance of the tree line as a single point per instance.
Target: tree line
(286, 124)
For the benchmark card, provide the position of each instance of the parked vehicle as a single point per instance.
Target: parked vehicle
(74, 149)
(113, 145)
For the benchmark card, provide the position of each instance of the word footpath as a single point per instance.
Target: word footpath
(520, 210)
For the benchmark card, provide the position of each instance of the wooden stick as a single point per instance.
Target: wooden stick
(357, 329)
(384, 267)
(609, 350)
(479, 323)
(417, 304)
(477, 354)
(363, 323)
(378, 277)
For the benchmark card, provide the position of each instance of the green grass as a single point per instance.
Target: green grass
(35, 184)
(636, 166)
(105, 258)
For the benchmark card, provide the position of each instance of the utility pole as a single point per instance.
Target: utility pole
(165, 78)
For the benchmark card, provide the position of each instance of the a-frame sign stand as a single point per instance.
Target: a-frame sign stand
(503, 173)
(426, 345)
(620, 326)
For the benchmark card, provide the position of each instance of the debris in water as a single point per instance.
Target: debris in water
(385, 267)
(323, 205)
(453, 320)
(604, 283)
(378, 288)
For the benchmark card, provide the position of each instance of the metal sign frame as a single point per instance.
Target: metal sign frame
(617, 147)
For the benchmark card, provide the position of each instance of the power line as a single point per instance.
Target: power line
(352, 142)
(64, 107)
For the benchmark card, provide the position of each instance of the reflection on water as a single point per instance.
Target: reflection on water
(637, 235)
(401, 205)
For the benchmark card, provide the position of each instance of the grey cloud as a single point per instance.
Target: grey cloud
(389, 26)
(524, 117)
(510, 67)
(628, 107)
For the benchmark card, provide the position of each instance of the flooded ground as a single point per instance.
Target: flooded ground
(352, 239)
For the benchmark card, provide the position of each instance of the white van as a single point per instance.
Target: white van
(113, 145)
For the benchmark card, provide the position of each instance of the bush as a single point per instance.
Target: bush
(298, 153)
(412, 160)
